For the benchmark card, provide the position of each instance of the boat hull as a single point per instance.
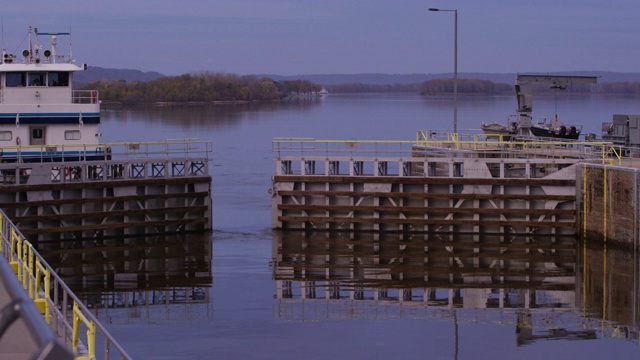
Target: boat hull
(565, 133)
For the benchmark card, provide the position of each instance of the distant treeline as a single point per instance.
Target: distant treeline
(220, 87)
(203, 87)
(430, 87)
(465, 86)
(479, 86)
(372, 88)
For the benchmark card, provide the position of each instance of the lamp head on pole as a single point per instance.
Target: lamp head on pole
(455, 67)
(451, 10)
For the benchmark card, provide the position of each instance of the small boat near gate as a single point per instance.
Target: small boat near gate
(495, 128)
(42, 118)
(555, 129)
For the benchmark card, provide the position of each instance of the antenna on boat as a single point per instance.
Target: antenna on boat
(54, 43)
(30, 45)
(70, 51)
(4, 50)
(557, 86)
(555, 101)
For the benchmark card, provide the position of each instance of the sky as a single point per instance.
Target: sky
(296, 37)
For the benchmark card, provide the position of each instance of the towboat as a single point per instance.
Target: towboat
(42, 118)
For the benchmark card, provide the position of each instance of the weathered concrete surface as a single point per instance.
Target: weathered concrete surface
(610, 203)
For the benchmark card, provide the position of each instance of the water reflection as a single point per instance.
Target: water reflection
(158, 277)
(609, 281)
(534, 284)
(197, 115)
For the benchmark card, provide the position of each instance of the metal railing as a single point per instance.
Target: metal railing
(187, 148)
(52, 95)
(102, 162)
(432, 145)
(85, 97)
(61, 308)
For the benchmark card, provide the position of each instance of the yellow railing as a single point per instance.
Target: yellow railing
(451, 146)
(36, 277)
(78, 317)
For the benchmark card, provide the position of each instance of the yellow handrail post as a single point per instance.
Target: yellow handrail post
(25, 263)
(91, 339)
(16, 253)
(47, 295)
(78, 316)
(75, 337)
(38, 277)
(16, 245)
(2, 232)
(30, 266)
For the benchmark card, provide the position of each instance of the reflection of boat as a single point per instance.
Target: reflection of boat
(40, 113)
(555, 129)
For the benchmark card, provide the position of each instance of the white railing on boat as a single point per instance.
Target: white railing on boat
(46, 96)
(85, 97)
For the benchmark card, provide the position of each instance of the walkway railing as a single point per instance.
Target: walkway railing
(187, 148)
(109, 161)
(591, 151)
(62, 310)
(454, 146)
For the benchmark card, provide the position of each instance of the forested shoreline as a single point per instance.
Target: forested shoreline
(479, 86)
(220, 87)
(201, 88)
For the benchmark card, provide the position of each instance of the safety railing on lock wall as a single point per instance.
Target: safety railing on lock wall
(433, 146)
(104, 162)
(69, 318)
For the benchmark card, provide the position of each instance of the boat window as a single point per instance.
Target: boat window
(36, 133)
(37, 79)
(5, 135)
(14, 79)
(58, 79)
(72, 135)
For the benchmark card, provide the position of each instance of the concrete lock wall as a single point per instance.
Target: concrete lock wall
(607, 204)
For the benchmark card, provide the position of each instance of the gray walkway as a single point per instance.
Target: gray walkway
(19, 341)
(16, 342)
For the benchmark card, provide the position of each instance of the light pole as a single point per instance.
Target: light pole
(455, 67)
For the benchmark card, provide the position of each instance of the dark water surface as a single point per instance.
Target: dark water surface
(247, 292)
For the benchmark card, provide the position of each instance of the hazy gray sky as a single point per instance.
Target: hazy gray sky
(291, 37)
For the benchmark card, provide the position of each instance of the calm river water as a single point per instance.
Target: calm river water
(247, 292)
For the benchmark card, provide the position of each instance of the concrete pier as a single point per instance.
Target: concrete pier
(444, 187)
(136, 189)
(481, 185)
